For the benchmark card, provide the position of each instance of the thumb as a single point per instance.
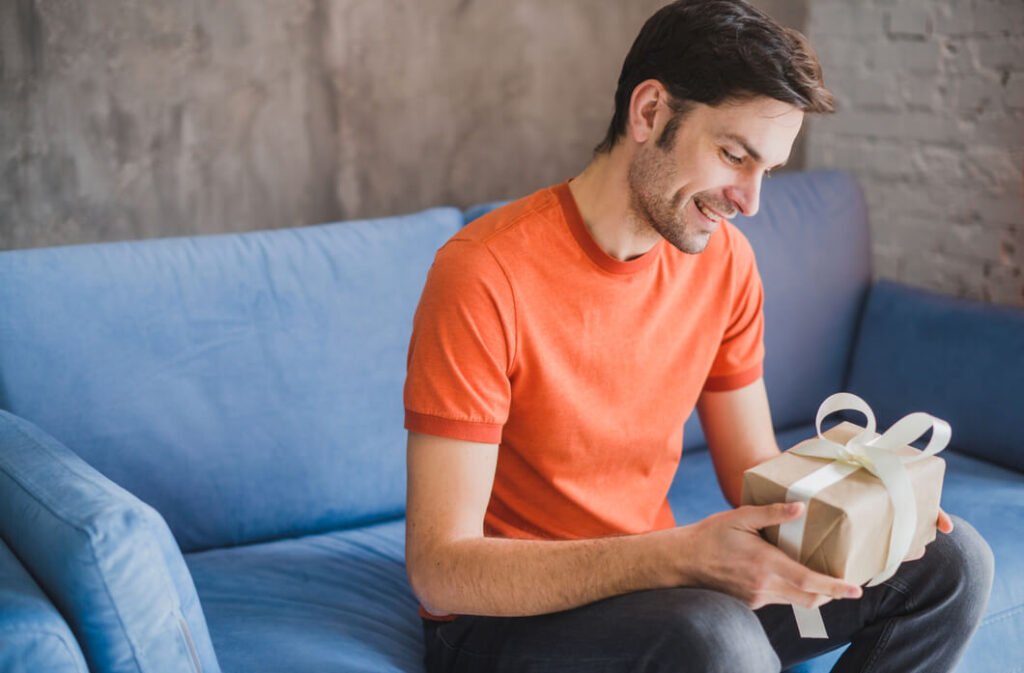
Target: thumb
(761, 516)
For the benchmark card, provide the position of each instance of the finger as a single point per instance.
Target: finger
(945, 523)
(805, 580)
(756, 517)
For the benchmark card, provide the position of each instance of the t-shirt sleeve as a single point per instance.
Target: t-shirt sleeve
(740, 358)
(463, 342)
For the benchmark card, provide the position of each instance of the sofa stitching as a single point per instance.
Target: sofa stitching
(1000, 616)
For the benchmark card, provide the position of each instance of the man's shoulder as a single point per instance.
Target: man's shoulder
(499, 225)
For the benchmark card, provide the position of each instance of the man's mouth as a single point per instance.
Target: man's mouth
(707, 212)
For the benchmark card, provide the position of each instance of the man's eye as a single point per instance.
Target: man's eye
(732, 158)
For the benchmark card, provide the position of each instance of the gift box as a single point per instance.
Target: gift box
(874, 482)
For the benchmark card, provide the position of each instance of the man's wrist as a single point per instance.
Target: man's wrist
(672, 556)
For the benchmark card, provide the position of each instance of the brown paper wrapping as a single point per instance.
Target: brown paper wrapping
(848, 523)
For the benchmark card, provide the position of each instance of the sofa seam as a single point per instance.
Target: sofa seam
(1000, 616)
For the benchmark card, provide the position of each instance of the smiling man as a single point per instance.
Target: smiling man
(559, 345)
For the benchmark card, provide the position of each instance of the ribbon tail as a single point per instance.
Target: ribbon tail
(893, 474)
(791, 534)
(809, 622)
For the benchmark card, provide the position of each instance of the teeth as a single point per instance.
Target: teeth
(707, 213)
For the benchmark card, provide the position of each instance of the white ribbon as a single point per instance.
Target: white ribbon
(878, 455)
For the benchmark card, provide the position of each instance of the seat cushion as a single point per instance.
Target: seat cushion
(317, 604)
(33, 635)
(107, 560)
(988, 496)
(233, 382)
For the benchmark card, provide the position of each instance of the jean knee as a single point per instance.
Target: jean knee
(722, 635)
(969, 566)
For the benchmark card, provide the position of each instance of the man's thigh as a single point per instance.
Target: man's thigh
(678, 630)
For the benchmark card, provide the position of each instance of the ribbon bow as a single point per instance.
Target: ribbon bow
(878, 455)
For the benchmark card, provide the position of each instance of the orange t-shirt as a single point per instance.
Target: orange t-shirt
(581, 367)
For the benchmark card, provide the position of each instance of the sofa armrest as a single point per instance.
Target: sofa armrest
(106, 559)
(33, 635)
(960, 360)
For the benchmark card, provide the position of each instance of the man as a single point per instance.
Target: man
(560, 343)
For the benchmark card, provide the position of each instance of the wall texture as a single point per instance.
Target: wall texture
(932, 123)
(124, 119)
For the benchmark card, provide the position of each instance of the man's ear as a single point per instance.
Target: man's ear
(644, 106)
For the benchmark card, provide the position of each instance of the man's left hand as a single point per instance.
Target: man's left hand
(944, 524)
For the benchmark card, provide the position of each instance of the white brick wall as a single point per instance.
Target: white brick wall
(931, 121)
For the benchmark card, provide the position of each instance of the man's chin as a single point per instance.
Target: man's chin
(693, 244)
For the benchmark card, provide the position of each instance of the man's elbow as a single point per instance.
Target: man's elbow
(426, 579)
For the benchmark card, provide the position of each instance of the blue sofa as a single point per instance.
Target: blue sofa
(202, 453)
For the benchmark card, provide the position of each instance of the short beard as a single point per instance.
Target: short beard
(651, 169)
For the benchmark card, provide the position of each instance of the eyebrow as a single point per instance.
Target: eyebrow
(742, 142)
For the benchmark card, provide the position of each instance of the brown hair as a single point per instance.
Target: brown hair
(712, 51)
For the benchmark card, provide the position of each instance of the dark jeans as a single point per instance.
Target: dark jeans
(919, 620)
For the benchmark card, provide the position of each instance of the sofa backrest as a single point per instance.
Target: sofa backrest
(812, 242)
(957, 359)
(248, 386)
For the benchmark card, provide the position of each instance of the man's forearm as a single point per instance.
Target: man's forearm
(510, 578)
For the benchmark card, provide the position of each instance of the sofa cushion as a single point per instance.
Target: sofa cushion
(33, 635)
(333, 602)
(107, 559)
(241, 384)
(960, 360)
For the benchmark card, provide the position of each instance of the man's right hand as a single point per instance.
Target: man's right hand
(726, 552)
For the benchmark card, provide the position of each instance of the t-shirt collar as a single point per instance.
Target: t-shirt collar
(586, 240)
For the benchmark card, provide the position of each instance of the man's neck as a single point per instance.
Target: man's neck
(601, 192)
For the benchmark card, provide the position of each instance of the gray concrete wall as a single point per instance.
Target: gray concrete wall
(932, 123)
(123, 119)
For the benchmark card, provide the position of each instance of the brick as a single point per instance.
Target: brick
(973, 240)
(1014, 94)
(995, 17)
(1004, 209)
(846, 19)
(942, 165)
(838, 53)
(905, 56)
(992, 169)
(1001, 54)
(867, 90)
(975, 94)
(954, 18)
(922, 94)
(907, 233)
(944, 202)
(908, 21)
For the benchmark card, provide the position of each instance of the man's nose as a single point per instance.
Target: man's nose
(747, 194)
